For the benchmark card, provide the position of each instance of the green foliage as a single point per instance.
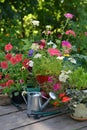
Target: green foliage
(47, 65)
(78, 79)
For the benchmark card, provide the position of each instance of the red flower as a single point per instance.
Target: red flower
(9, 82)
(4, 65)
(8, 56)
(25, 63)
(3, 84)
(13, 60)
(61, 95)
(65, 99)
(8, 47)
(7, 76)
(18, 57)
(41, 79)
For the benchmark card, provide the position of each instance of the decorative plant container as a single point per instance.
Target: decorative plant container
(4, 100)
(80, 112)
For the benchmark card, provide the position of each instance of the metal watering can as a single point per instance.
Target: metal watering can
(34, 101)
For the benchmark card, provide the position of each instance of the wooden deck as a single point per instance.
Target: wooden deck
(12, 118)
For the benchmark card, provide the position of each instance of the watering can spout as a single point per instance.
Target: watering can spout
(52, 96)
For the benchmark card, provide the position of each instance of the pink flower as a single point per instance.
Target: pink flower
(18, 57)
(4, 65)
(70, 32)
(68, 15)
(9, 82)
(42, 44)
(57, 86)
(8, 56)
(66, 44)
(54, 51)
(8, 47)
(85, 33)
(50, 79)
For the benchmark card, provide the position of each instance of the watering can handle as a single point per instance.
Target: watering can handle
(23, 95)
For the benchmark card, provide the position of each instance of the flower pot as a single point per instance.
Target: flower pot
(17, 97)
(4, 100)
(80, 112)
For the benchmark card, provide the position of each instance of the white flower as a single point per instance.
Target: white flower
(63, 77)
(38, 55)
(48, 27)
(54, 46)
(30, 63)
(69, 72)
(35, 46)
(60, 57)
(72, 60)
(35, 22)
(50, 43)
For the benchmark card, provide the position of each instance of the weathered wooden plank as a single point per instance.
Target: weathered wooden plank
(10, 108)
(63, 122)
(17, 119)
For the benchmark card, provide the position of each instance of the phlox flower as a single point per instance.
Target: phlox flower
(53, 51)
(69, 15)
(70, 32)
(66, 44)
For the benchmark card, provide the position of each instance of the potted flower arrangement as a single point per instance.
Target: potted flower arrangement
(77, 104)
(77, 91)
(13, 71)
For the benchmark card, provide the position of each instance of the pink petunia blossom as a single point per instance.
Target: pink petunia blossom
(57, 86)
(66, 44)
(68, 15)
(53, 51)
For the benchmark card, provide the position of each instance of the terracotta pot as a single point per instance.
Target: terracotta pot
(4, 100)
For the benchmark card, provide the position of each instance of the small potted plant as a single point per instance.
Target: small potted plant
(77, 91)
(13, 73)
(77, 104)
